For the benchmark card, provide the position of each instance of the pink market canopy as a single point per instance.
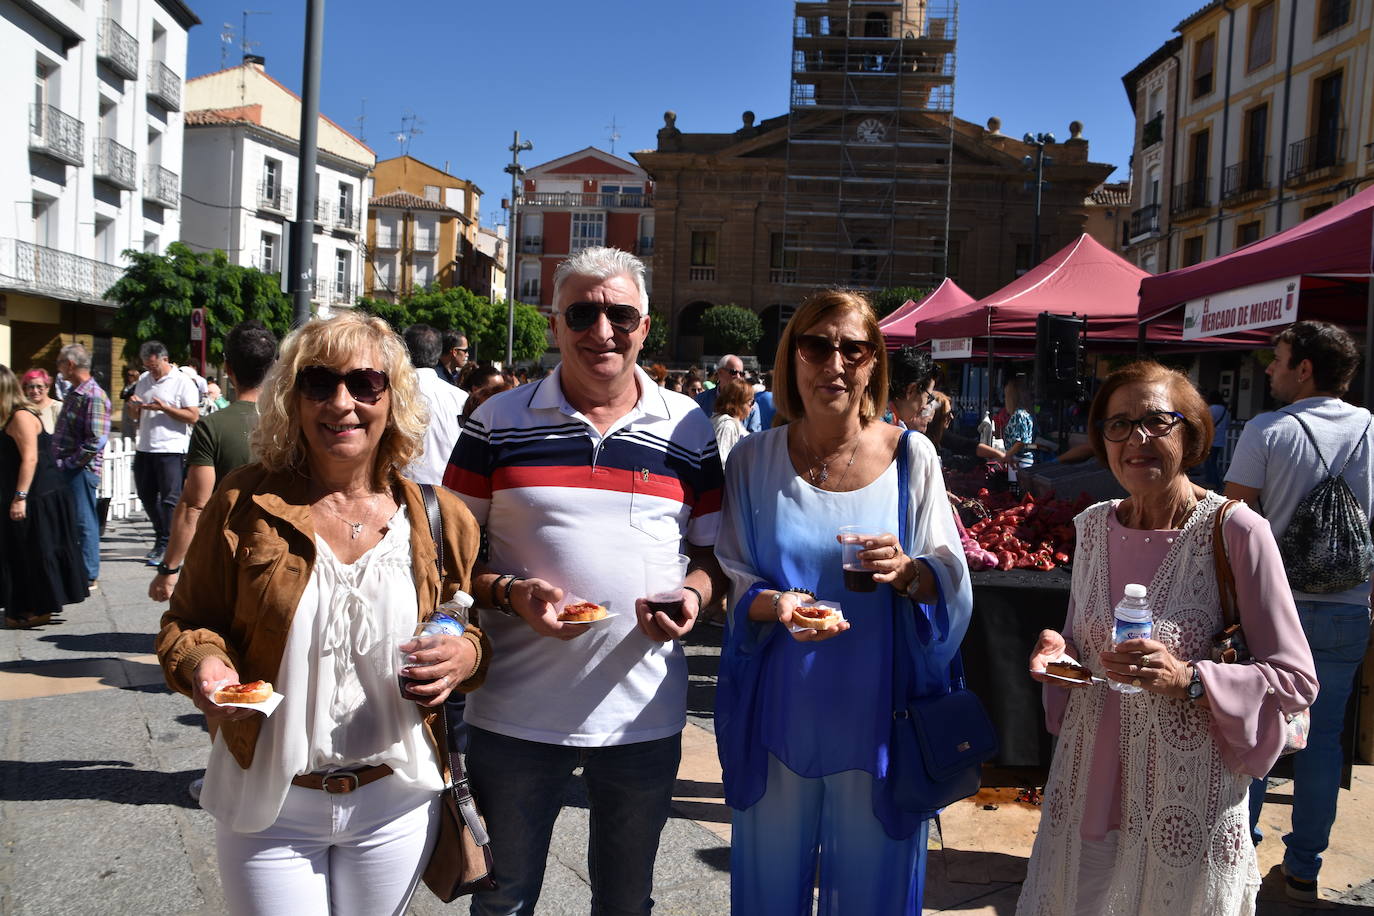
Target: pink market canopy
(1330, 257)
(899, 328)
(1083, 278)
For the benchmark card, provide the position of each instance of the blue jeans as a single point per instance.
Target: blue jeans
(1338, 634)
(520, 784)
(85, 486)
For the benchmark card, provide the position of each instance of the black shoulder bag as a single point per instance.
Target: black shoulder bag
(940, 742)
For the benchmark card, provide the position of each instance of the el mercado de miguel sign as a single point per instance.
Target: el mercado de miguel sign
(1260, 305)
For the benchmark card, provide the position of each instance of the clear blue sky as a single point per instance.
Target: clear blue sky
(560, 72)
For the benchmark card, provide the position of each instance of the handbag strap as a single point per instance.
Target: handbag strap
(436, 526)
(1226, 579)
(900, 616)
(458, 777)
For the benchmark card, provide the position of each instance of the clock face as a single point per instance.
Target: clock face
(870, 130)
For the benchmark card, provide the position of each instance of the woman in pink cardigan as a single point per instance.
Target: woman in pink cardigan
(1146, 805)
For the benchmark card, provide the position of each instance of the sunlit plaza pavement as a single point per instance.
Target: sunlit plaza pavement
(95, 817)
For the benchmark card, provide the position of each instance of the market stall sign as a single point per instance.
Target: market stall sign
(1247, 308)
(951, 347)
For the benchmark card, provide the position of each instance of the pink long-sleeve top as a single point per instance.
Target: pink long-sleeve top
(1246, 701)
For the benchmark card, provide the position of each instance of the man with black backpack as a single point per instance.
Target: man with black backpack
(1308, 469)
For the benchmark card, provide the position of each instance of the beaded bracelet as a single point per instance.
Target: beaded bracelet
(800, 591)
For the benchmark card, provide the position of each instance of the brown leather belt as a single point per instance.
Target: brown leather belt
(341, 782)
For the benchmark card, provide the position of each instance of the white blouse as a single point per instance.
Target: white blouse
(341, 701)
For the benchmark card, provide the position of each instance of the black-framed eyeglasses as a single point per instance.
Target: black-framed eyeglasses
(319, 383)
(817, 349)
(1154, 424)
(581, 315)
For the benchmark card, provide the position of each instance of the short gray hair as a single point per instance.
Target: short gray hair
(721, 363)
(75, 354)
(152, 348)
(603, 264)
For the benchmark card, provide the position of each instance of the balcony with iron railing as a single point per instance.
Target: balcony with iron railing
(162, 186)
(324, 213)
(1145, 222)
(529, 291)
(48, 271)
(1245, 178)
(588, 199)
(532, 244)
(164, 86)
(1190, 196)
(425, 240)
(1312, 158)
(1153, 131)
(387, 238)
(115, 164)
(331, 289)
(274, 198)
(55, 133)
(346, 219)
(117, 49)
(782, 275)
(702, 274)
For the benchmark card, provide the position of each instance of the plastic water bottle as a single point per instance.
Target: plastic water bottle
(985, 429)
(1133, 621)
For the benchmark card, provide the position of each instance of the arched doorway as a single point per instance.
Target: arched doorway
(690, 343)
(774, 319)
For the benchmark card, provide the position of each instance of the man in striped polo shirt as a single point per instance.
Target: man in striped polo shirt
(580, 479)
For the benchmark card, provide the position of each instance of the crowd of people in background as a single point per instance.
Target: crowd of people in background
(749, 475)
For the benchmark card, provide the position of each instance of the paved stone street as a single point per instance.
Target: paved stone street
(95, 817)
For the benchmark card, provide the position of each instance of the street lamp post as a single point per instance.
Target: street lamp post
(516, 172)
(1037, 164)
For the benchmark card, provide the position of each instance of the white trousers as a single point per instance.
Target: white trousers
(1096, 863)
(359, 854)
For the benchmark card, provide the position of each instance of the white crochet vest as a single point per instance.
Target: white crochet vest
(1185, 838)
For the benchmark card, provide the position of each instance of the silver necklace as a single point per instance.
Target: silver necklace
(824, 475)
(357, 527)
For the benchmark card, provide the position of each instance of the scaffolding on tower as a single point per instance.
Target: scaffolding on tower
(869, 144)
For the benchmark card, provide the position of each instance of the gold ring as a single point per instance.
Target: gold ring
(1135, 683)
(1145, 660)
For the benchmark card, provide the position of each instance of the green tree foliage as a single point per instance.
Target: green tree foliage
(157, 293)
(657, 341)
(483, 321)
(887, 301)
(731, 329)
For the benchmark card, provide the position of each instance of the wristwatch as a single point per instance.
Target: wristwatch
(1195, 686)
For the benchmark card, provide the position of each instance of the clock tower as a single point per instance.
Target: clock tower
(869, 142)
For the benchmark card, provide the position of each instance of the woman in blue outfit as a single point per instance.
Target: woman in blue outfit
(803, 719)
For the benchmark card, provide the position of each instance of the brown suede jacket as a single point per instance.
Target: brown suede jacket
(247, 569)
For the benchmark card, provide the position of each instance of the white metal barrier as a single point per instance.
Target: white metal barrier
(117, 478)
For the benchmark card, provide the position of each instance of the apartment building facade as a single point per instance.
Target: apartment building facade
(1254, 117)
(241, 172)
(418, 203)
(582, 200)
(91, 167)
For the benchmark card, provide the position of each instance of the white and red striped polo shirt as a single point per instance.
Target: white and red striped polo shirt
(562, 502)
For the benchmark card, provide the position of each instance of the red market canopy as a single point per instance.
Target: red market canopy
(1083, 278)
(1333, 252)
(899, 328)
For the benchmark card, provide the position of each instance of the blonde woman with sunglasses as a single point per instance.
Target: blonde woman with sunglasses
(310, 568)
(803, 716)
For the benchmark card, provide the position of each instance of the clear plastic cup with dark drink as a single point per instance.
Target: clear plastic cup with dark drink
(664, 577)
(853, 539)
(445, 622)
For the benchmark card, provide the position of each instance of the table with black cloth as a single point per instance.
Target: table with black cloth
(1010, 608)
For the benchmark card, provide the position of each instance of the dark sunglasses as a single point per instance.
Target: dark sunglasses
(318, 383)
(581, 315)
(1156, 424)
(817, 349)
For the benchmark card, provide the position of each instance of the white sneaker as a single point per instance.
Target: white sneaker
(194, 788)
